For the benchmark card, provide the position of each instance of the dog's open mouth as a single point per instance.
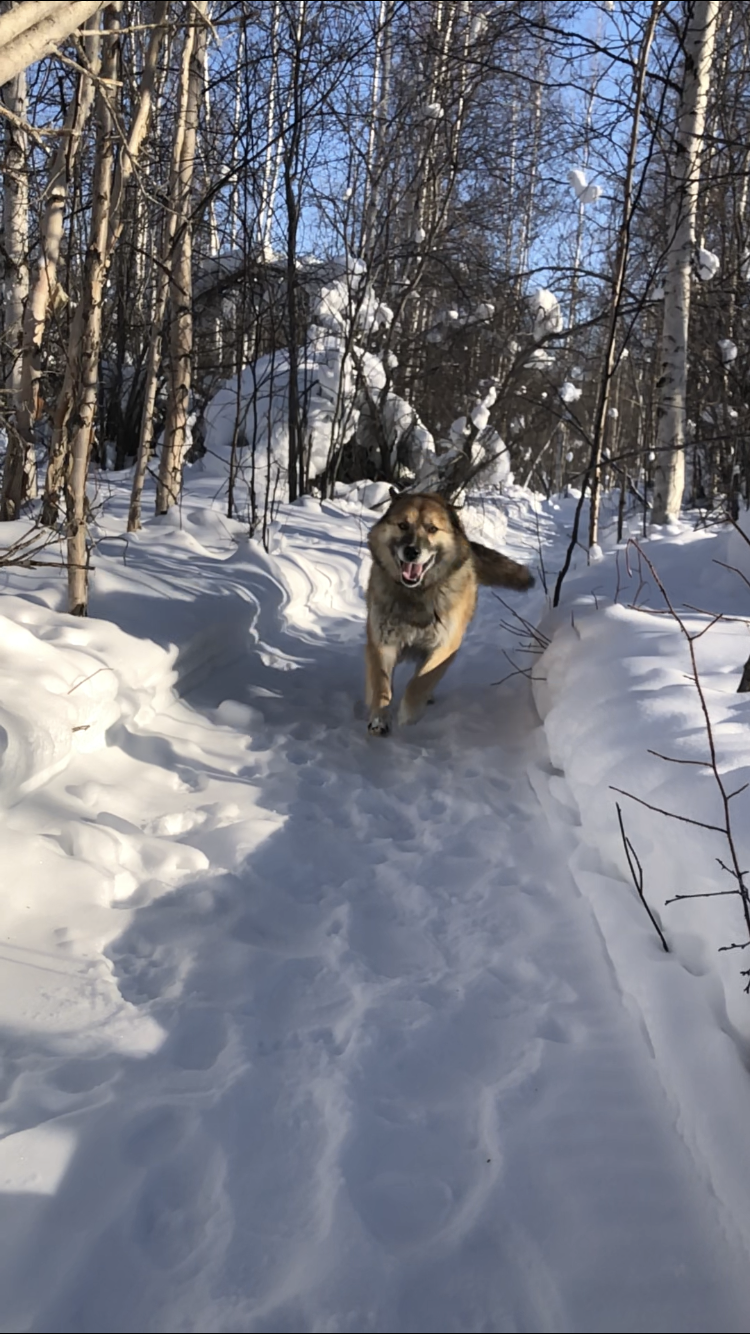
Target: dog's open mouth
(413, 572)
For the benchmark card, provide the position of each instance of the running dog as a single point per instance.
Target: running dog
(421, 597)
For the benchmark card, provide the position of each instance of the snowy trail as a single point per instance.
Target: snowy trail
(392, 1083)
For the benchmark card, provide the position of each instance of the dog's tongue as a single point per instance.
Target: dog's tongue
(411, 572)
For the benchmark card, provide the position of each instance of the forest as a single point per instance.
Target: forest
(428, 243)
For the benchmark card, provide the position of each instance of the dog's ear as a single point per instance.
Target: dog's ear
(453, 516)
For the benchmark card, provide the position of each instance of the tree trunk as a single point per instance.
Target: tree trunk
(618, 280)
(84, 389)
(16, 289)
(669, 473)
(58, 461)
(34, 29)
(153, 360)
(180, 286)
(44, 288)
(292, 132)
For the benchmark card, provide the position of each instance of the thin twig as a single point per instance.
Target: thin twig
(636, 870)
(686, 819)
(676, 759)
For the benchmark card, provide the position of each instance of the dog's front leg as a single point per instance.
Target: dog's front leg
(380, 663)
(424, 681)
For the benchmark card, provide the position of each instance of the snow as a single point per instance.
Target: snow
(480, 413)
(584, 193)
(541, 359)
(707, 264)
(569, 392)
(578, 180)
(308, 1031)
(546, 314)
(247, 420)
(727, 351)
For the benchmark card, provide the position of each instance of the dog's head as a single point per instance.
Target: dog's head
(417, 539)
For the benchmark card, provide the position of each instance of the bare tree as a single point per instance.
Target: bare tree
(19, 479)
(68, 407)
(619, 275)
(180, 286)
(84, 387)
(16, 284)
(33, 29)
(669, 475)
(171, 220)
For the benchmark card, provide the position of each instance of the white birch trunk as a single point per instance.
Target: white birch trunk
(619, 277)
(58, 461)
(669, 472)
(84, 392)
(272, 157)
(44, 286)
(162, 291)
(34, 29)
(181, 288)
(15, 288)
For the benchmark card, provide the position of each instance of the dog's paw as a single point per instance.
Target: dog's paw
(379, 725)
(409, 712)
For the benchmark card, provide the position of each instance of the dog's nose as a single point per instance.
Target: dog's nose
(411, 553)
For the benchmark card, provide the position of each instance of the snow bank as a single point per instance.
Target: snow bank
(614, 686)
(63, 684)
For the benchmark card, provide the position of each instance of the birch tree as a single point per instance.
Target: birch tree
(669, 473)
(84, 388)
(69, 404)
(180, 285)
(35, 28)
(18, 481)
(15, 287)
(161, 295)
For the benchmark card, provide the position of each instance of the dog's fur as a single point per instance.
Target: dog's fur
(421, 597)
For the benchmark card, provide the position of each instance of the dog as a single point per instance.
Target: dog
(421, 597)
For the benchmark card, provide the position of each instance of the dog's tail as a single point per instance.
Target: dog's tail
(498, 571)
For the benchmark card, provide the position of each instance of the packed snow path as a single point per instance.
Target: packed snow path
(380, 1073)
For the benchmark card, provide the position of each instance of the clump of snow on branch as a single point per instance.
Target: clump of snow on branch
(707, 264)
(541, 359)
(583, 191)
(727, 351)
(349, 300)
(472, 439)
(545, 313)
(569, 392)
(480, 413)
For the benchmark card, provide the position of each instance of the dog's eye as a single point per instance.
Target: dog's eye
(403, 527)
(430, 528)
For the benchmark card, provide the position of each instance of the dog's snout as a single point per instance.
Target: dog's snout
(411, 553)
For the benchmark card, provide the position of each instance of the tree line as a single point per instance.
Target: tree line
(531, 218)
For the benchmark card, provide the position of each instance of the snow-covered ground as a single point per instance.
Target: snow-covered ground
(303, 1030)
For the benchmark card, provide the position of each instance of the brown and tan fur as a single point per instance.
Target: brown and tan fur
(420, 539)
